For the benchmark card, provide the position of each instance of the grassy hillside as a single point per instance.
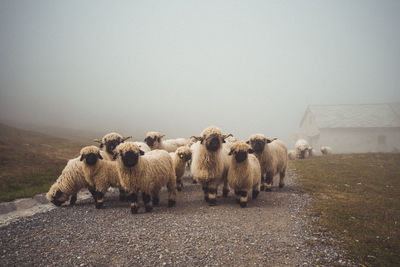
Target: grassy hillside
(30, 162)
(358, 200)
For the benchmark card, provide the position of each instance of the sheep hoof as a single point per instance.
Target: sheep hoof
(255, 194)
(148, 208)
(156, 201)
(134, 210)
(262, 188)
(206, 198)
(212, 202)
(225, 192)
(281, 185)
(99, 205)
(243, 204)
(171, 203)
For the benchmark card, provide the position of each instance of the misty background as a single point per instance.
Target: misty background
(179, 66)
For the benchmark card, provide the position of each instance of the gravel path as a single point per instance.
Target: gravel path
(273, 231)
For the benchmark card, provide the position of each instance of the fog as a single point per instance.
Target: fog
(180, 66)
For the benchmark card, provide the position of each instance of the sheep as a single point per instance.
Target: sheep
(180, 158)
(99, 174)
(301, 148)
(244, 172)
(142, 146)
(272, 155)
(69, 183)
(109, 142)
(292, 154)
(154, 141)
(326, 150)
(210, 162)
(147, 173)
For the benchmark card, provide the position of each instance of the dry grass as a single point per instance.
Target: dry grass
(30, 162)
(358, 200)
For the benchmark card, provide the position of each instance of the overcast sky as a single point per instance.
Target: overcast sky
(180, 66)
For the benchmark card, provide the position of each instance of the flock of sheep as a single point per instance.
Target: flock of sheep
(145, 167)
(303, 150)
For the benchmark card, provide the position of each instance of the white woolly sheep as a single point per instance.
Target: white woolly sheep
(272, 155)
(100, 174)
(180, 158)
(210, 162)
(244, 172)
(154, 141)
(292, 154)
(147, 173)
(109, 142)
(326, 150)
(301, 148)
(68, 184)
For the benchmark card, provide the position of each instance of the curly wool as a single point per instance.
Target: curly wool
(169, 145)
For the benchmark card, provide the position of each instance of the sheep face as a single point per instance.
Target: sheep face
(58, 197)
(111, 141)
(129, 154)
(258, 142)
(153, 139)
(90, 154)
(184, 153)
(212, 138)
(240, 150)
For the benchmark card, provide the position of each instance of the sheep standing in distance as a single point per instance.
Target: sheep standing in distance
(99, 174)
(68, 184)
(155, 141)
(210, 162)
(244, 172)
(147, 173)
(326, 150)
(302, 149)
(292, 154)
(180, 158)
(272, 155)
(109, 142)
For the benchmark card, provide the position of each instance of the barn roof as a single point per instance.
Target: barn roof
(355, 116)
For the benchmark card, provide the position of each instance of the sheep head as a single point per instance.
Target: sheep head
(129, 154)
(111, 141)
(212, 137)
(184, 153)
(90, 154)
(56, 196)
(153, 139)
(258, 142)
(240, 150)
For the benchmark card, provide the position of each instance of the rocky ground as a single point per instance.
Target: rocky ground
(273, 230)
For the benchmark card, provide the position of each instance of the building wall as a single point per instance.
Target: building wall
(358, 140)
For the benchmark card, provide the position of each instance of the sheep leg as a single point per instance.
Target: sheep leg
(243, 198)
(122, 195)
(148, 205)
(225, 189)
(212, 195)
(99, 199)
(256, 190)
(179, 184)
(205, 190)
(262, 188)
(268, 181)
(155, 198)
(237, 196)
(134, 205)
(281, 179)
(93, 192)
(73, 200)
(171, 187)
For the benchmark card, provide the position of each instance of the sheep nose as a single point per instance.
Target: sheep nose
(91, 159)
(241, 156)
(130, 159)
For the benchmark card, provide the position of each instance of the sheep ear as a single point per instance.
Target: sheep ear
(83, 156)
(226, 136)
(115, 156)
(197, 138)
(123, 139)
(268, 140)
(230, 153)
(101, 145)
(141, 152)
(251, 151)
(58, 194)
(248, 142)
(100, 157)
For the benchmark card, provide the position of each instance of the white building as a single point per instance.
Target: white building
(353, 128)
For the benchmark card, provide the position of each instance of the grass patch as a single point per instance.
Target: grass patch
(30, 162)
(358, 200)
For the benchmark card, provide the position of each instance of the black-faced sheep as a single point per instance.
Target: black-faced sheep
(302, 149)
(326, 150)
(155, 141)
(68, 184)
(244, 172)
(147, 173)
(180, 158)
(109, 142)
(210, 162)
(99, 174)
(272, 155)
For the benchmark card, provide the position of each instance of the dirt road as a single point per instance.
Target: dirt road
(273, 230)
